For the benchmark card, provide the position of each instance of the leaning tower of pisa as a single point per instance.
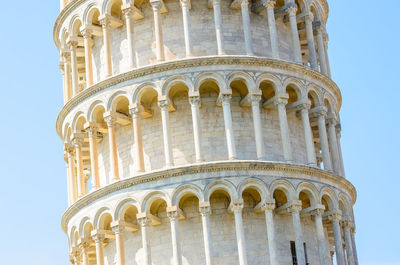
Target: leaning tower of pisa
(202, 132)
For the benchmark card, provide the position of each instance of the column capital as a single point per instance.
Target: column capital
(175, 213)
(204, 208)
(236, 205)
(72, 43)
(319, 111)
(110, 119)
(268, 207)
(295, 206)
(281, 99)
(291, 10)
(135, 111)
(156, 5)
(77, 141)
(270, 4)
(185, 3)
(146, 219)
(331, 119)
(127, 10)
(335, 216)
(66, 54)
(347, 223)
(309, 17)
(83, 244)
(86, 32)
(318, 211)
(118, 228)
(225, 98)
(105, 20)
(164, 104)
(92, 128)
(304, 106)
(98, 236)
(318, 27)
(255, 98)
(194, 100)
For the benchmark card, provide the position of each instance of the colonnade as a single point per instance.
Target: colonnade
(68, 62)
(341, 229)
(331, 153)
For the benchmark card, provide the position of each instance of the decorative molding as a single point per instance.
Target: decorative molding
(197, 62)
(221, 166)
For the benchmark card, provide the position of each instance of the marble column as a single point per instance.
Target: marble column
(295, 209)
(230, 139)
(326, 157)
(88, 43)
(71, 173)
(347, 225)
(94, 156)
(322, 248)
(309, 18)
(321, 49)
(65, 87)
(284, 127)
(144, 222)
(338, 137)
(98, 239)
(156, 5)
(354, 245)
(205, 211)
(291, 11)
(311, 158)
(84, 253)
(237, 208)
(255, 107)
(105, 23)
(333, 146)
(112, 145)
(176, 248)
(119, 243)
(67, 73)
(270, 6)
(186, 27)
(218, 26)
(247, 27)
(69, 180)
(137, 134)
(194, 103)
(78, 142)
(130, 33)
(169, 159)
(337, 235)
(328, 65)
(74, 67)
(268, 208)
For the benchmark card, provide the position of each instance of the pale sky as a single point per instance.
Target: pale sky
(364, 53)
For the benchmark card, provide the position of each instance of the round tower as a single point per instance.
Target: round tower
(202, 132)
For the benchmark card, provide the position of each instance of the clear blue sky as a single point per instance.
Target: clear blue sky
(364, 54)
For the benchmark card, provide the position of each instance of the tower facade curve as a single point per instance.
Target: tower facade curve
(202, 132)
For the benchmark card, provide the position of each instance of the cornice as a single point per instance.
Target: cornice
(195, 62)
(219, 166)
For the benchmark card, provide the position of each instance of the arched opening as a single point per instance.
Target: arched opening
(80, 54)
(280, 197)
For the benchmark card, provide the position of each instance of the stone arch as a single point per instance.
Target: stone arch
(223, 185)
(216, 78)
(97, 221)
(328, 198)
(310, 190)
(64, 132)
(72, 236)
(76, 120)
(123, 206)
(167, 84)
(313, 96)
(186, 189)
(256, 184)
(344, 206)
(141, 90)
(151, 197)
(285, 187)
(328, 103)
(296, 85)
(107, 6)
(116, 98)
(246, 78)
(89, 12)
(91, 111)
(63, 37)
(74, 25)
(316, 9)
(84, 225)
